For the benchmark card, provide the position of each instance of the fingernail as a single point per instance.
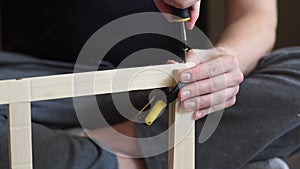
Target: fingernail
(170, 61)
(189, 105)
(185, 94)
(185, 77)
(198, 115)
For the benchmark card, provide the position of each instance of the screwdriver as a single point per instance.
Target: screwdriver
(182, 15)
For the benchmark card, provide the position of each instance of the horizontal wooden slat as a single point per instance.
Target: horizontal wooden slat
(89, 83)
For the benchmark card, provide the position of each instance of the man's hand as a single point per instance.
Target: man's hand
(165, 6)
(213, 82)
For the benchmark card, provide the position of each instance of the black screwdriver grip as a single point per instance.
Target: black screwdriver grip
(181, 13)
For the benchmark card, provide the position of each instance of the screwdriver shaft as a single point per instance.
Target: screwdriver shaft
(183, 33)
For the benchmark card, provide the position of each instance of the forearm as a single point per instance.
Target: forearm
(250, 37)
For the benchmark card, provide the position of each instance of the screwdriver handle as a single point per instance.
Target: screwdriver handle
(182, 15)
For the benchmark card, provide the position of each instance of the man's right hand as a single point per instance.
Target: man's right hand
(165, 6)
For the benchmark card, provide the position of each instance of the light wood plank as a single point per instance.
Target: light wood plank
(91, 83)
(20, 144)
(181, 137)
(182, 156)
(171, 135)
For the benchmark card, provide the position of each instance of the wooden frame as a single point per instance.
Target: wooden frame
(19, 93)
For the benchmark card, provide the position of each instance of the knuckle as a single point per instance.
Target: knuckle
(239, 77)
(221, 97)
(195, 72)
(237, 89)
(231, 102)
(220, 49)
(214, 85)
(231, 92)
(204, 101)
(198, 102)
(236, 77)
(194, 57)
(212, 71)
(208, 71)
(213, 109)
(197, 88)
(205, 112)
(233, 61)
(179, 4)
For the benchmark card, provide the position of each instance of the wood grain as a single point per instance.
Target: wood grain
(90, 83)
(181, 138)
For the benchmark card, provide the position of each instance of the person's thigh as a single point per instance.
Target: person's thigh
(267, 109)
(285, 146)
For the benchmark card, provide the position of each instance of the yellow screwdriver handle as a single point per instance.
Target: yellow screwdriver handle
(155, 111)
(182, 15)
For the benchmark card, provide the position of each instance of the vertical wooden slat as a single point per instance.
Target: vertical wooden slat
(184, 139)
(19, 124)
(171, 135)
(182, 136)
(20, 144)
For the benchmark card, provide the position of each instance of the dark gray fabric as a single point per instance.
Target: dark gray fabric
(59, 150)
(264, 123)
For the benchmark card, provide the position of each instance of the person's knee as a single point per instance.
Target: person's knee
(285, 58)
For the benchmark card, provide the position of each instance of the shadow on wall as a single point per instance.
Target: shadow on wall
(288, 33)
(289, 23)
